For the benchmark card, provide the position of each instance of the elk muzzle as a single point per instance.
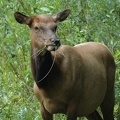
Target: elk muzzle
(55, 43)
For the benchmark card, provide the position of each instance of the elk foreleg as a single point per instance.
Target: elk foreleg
(45, 114)
(72, 112)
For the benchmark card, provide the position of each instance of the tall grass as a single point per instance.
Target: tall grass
(89, 21)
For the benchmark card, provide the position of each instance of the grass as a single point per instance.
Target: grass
(89, 21)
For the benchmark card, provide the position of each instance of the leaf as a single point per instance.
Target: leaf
(45, 9)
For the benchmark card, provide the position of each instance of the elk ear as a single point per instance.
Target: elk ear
(22, 19)
(61, 16)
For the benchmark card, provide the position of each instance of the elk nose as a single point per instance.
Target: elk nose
(56, 42)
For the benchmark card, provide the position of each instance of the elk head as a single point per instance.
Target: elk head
(43, 29)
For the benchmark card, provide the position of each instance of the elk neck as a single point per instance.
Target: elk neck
(45, 67)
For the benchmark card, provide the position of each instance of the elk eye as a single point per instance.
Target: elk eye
(36, 28)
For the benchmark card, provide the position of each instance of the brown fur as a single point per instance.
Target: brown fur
(82, 77)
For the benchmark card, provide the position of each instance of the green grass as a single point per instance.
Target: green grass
(89, 21)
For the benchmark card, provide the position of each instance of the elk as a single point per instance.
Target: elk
(72, 80)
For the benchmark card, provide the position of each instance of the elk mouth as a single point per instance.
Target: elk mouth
(52, 47)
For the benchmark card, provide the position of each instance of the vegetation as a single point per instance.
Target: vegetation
(90, 20)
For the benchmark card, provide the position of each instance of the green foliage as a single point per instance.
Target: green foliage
(90, 20)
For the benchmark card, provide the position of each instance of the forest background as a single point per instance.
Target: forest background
(90, 20)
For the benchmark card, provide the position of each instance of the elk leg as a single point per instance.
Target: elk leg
(94, 116)
(107, 106)
(71, 117)
(71, 112)
(45, 114)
